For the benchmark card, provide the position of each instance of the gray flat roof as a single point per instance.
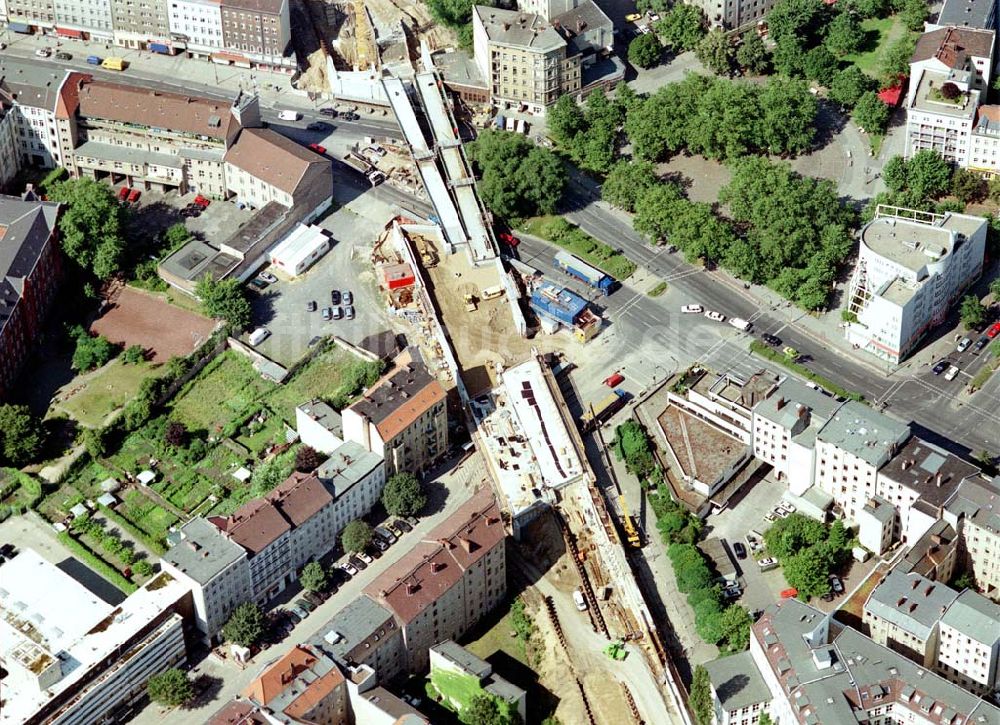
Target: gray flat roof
(350, 463)
(324, 414)
(518, 29)
(910, 601)
(737, 681)
(355, 623)
(975, 616)
(791, 394)
(458, 655)
(968, 13)
(881, 509)
(111, 152)
(865, 433)
(31, 84)
(932, 472)
(201, 551)
(979, 501)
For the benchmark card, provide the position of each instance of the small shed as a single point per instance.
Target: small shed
(298, 251)
(107, 499)
(110, 485)
(146, 477)
(242, 474)
(78, 511)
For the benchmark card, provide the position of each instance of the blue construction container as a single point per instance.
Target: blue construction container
(557, 303)
(576, 267)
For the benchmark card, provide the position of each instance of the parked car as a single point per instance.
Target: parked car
(335, 297)
(836, 584)
(319, 126)
(509, 239)
(383, 532)
(63, 55)
(733, 592)
(993, 330)
(133, 196)
(790, 352)
(380, 544)
(311, 306)
(398, 527)
(940, 366)
(259, 284)
(329, 111)
(268, 277)
(790, 508)
(963, 344)
(348, 568)
(315, 598)
(318, 148)
(305, 604)
(358, 563)
(327, 313)
(287, 115)
(202, 202)
(294, 616)
(614, 380)
(778, 511)
(739, 550)
(632, 17)
(770, 517)
(43, 52)
(350, 116)
(768, 563)
(578, 599)
(348, 297)
(716, 316)
(365, 557)
(338, 313)
(298, 611)
(123, 193)
(349, 312)
(789, 593)
(981, 343)
(952, 373)
(692, 309)
(772, 340)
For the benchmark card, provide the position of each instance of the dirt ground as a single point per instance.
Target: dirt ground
(163, 330)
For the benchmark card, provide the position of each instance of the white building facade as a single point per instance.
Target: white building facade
(912, 266)
(92, 17)
(197, 24)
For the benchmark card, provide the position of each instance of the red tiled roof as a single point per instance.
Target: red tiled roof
(269, 156)
(254, 525)
(952, 45)
(69, 94)
(299, 497)
(314, 694)
(437, 563)
(273, 681)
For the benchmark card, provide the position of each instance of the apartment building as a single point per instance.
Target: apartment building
(918, 481)
(259, 29)
(733, 14)
(739, 692)
(785, 426)
(141, 24)
(532, 59)
(365, 634)
(214, 568)
(83, 19)
(969, 652)
(263, 167)
(442, 587)
(319, 426)
(64, 649)
(403, 417)
(814, 678)
(27, 14)
(452, 659)
(196, 25)
(878, 525)
(29, 94)
(912, 266)
(850, 449)
(30, 270)
(956, 50)
(935, 554)
(903, 612)
(302, 686)
(355, 478)
(974, 512)
(724, 400)
(966, 14)
(10, 156)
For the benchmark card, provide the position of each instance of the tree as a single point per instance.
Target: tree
(22, 435)
(788, 116)
(869, 8)
(176, 434)
(645, 51)
(802, 20)
(972, 312)
(968, 186)
(792, 534)
(765, 719)
(849, 84)
(403, 495)
(914, 14)
(176, 235)
(517, 179)
(453, 13)
(995, 289)
(871, 114)
(91, 225)
(270, 473)
(682, 27)
(654, 211)
(894, 174)
(313, 577)
(626, 181)
(708, 620)
(735, 623)
(356, 536)
(170, 688)
(820, 65)
(133, 355)
(94, 442)
(224, 299)
(809, 571)
(788, 57)
(90, 352)
(245, 625)
(487, 709)
(928, 175)
(844, 34)
(715, 51)
(896, 57)
(307, 459)
(701, 700)
(660, 124)
(566, 119)
(752, 55)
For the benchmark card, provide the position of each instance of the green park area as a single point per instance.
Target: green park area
(879, 34)
(107, 389)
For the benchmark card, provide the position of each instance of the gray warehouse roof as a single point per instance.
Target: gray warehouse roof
(201, 551)
(911, 602)
(975, 616)
(737, 681)
(350, 463)
(865, 433)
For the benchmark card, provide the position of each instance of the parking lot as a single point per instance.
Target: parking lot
(283, 306)
(157, 210)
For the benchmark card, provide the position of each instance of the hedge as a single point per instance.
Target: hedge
(97, 563)
(782, 359)
(156, 546)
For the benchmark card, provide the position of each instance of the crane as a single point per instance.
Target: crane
(631, 533)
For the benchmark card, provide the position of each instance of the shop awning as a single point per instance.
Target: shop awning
(69, 33)
(19, 27)
(227, 58)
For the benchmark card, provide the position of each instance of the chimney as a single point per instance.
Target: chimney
(436, 567)
(913, 605)
(446, 544)
(901, 601)
(914, 584)
(906, 464)
(939, 479)
(936, 538)
(412, 589)
(928, 590)
(466, 544)
(781, 402)
(490, 520)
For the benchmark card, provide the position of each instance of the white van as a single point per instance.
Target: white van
(288, 115)
(740, 324)
(581, 603)
(259, 335)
